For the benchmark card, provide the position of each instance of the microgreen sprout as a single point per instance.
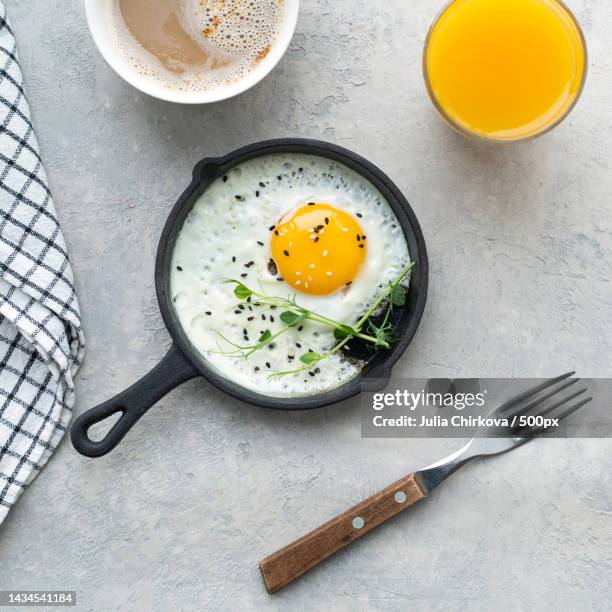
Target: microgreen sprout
(293, 315)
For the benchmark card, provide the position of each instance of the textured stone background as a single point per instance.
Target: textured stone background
(520, 242)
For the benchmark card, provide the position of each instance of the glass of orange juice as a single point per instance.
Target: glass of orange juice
(505, 70)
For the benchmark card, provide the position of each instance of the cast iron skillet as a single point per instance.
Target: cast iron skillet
(184, 362)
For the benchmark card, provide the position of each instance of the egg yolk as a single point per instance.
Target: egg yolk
(318, 248)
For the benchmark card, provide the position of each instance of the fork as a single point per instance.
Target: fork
(552, 397)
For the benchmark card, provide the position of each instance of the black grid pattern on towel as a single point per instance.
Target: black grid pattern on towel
(41, 340)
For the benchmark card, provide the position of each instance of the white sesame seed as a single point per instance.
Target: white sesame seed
(306, 285)
(298, 282)
(345, 229)
(298, 273)
(312, 266)
(329, 273)
(325, 253)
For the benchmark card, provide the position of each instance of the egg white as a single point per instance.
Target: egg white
(221, 238)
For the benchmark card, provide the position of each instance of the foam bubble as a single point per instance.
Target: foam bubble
(235, 36)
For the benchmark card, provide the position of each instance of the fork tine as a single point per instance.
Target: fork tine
(560, 403)
(530, 392)
(526, 409)
(574, 408)
(530, 431)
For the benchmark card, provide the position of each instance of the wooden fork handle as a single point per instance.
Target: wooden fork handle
(290, 562)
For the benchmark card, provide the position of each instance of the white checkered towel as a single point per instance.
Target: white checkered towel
(41, 341)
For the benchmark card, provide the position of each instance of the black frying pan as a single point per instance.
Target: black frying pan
(183, 361)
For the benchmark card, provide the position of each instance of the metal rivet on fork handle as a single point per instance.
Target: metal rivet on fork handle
(400, 497)
(358, 522)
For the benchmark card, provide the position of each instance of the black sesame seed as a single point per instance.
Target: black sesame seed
(263, 316)
(326, 220)
(237, 311)
(316, 239)
(272, 346)
(276, 233)
(257, 368)
(251, 319)
(280, 278)
(361, 246)
(290, 357)
(244, 275)
(358, 238)
(249, 264)
(262, 184)
(311, 203)
(298, 345)
(257, 194)
(273, 307)
(320, 227)
(311, 373)
(279, 177)
(225, 179)
(359, 215)
(300, 169)
(233, 259)
(208, 313)
(239, 198)
(179, 268)
(317, 370)
(268, 365)
(272, 227)
(363, 237)
(300, 328)
(260, 243)
(244, 332)
(286, 253)
(349, 283)
(241, 306)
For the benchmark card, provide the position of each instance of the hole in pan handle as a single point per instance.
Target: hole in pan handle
(132, 403)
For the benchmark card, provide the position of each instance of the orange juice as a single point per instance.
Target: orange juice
(505, 69)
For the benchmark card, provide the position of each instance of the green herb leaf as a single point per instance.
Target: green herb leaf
(265, 337)
(381, 338)
(398, 295)
(310, 358)
(241, 291)
(293, 318)
(344, 331)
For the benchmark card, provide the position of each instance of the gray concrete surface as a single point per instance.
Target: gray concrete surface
(520, 240)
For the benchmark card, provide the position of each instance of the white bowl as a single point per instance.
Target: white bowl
(102, 29)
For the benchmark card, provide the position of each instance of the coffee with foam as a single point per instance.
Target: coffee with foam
(196, 45)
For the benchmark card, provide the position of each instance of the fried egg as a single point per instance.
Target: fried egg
(293, 226)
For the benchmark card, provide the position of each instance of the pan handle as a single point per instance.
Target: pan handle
(132, 403)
